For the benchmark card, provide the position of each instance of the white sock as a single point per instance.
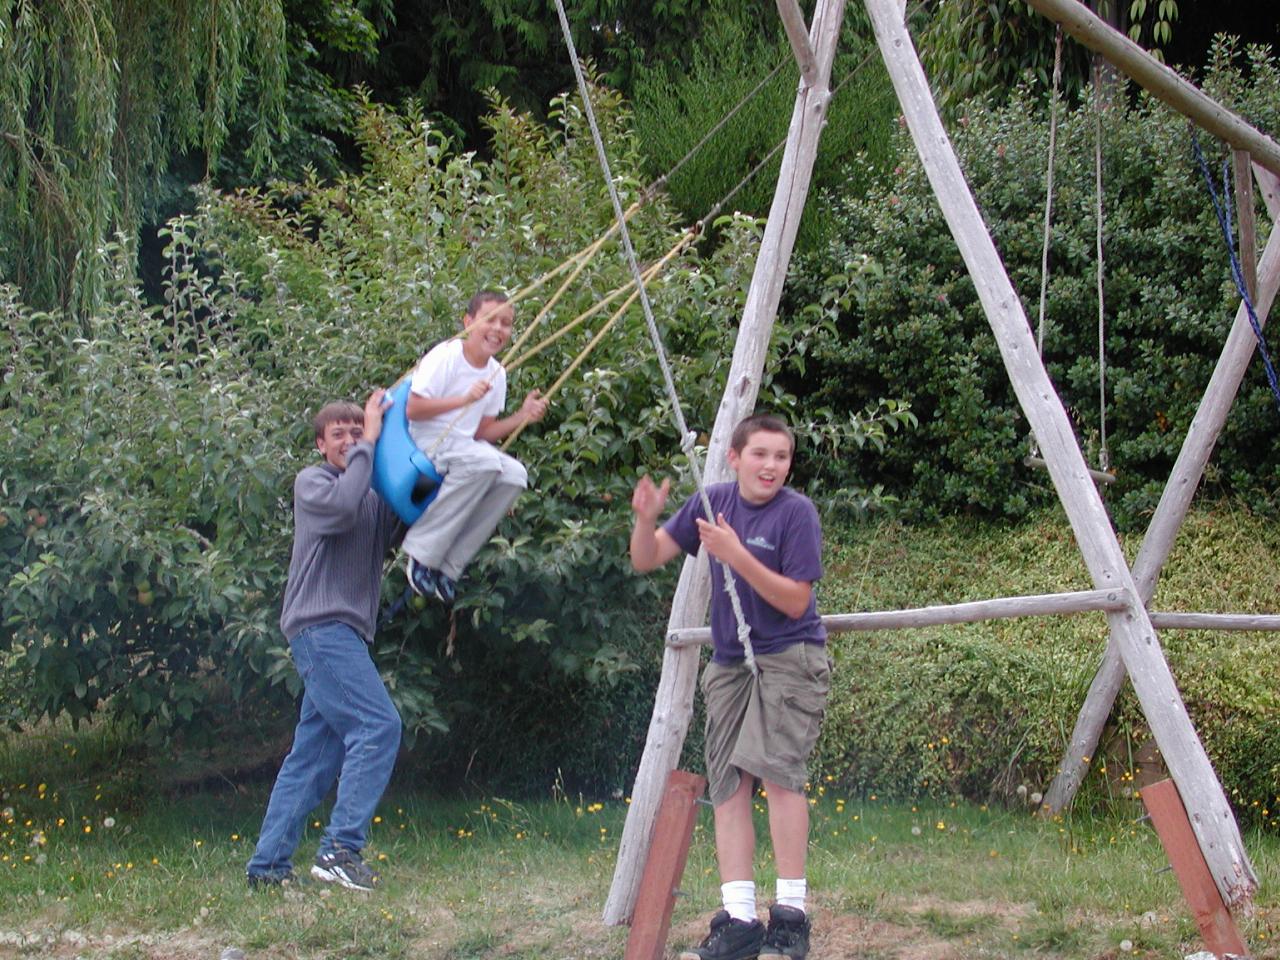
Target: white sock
(791, 893)
(739, 898)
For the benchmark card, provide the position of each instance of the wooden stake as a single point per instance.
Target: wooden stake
(1212, 916)
(672, 834)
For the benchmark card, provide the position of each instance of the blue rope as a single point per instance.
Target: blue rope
(1222, 208)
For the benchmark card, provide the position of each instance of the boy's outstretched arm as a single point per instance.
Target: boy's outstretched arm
(531, 411)
(779, 591)
(650, 546)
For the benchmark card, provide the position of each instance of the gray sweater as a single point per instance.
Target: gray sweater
(342, 532)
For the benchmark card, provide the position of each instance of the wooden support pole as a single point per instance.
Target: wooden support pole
(1131, 629)
(1269, 187)
(1157, 544)
(1169, 817)
(793, 22)
(1077, 20)
(672, 834)
(1246, 222)
(1041, 605)
(673, 703)
(1215, 621)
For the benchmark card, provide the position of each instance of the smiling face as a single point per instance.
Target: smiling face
(337, 439)
(488, 331)
(762, 465)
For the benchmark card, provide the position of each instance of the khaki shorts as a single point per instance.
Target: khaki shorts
(764, 726)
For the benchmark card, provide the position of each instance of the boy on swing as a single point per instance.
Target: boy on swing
(454, 408)
(760, 725)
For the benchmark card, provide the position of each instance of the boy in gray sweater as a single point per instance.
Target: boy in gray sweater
(348, 730)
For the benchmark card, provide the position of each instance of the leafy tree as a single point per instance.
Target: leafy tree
(95, 98)
(679, 103)
(973, 49)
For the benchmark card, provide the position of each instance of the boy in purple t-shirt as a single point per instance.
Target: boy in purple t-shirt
(763, 724)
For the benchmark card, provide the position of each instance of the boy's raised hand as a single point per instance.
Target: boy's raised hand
(648, 500)
(534, 407)
(374, 407)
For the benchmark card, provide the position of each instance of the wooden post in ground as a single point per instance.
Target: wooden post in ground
(1212, 916)
(1131, 629)
(673, 704)
(672, 834)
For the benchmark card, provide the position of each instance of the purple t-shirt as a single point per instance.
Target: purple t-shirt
(785, 535)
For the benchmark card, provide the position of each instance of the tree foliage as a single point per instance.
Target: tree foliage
(975, 49)
(96, 97)
(679, 103)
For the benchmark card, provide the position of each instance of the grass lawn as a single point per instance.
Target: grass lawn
(99, 863)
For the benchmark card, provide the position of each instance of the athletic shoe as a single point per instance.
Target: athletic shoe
(729, 939)
(344, 867)
(788, 935)
(268, 881)
(430, 583)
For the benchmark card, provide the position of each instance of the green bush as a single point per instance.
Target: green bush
(907, 322)
(979, 710)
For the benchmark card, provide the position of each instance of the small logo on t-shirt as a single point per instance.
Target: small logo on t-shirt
(760, 542)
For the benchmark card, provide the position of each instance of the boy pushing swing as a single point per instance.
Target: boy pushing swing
(760, 726)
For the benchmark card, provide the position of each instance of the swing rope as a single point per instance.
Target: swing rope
(688, 438)
(1222, 209)
(1033, 458)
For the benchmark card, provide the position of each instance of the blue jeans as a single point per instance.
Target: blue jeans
(348, 730)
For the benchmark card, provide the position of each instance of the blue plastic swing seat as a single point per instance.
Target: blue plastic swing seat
(402, 474)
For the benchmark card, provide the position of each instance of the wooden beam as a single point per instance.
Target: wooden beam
(1041, 605)
(793, 22)
(1158, 542)
(673, 704)
(1215, 621)
(1246, 223)
(1169, 817)
(1164, 83)
(1131, 629)
(673, 832)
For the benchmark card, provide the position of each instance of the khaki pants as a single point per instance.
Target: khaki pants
(766, 725)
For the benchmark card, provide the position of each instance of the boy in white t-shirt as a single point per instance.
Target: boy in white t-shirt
(455, 401)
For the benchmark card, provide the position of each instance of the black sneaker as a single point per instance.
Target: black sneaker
(429, 583)
(269, 881)
(344, 867)
(729, 939)
(788, 934)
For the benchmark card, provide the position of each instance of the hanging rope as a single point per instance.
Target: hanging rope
(1222, 209)
(688, 438)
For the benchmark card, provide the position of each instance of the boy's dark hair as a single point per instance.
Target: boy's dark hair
(340, 411)
(480, 299)
(768, 422)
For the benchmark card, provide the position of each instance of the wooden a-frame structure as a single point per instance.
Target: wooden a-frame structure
(1122, 593)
